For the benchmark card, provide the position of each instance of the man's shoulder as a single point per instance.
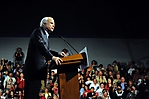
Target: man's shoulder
(37, 30)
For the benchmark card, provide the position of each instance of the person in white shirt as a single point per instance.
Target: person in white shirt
(130, 70)
(8, 78)
(89, 81)
(99, 91)
(95, 85)
(105, 94)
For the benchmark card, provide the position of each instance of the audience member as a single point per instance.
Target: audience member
(95, 85)
(119, 93)
(92, 94)
(100, 89)
(19, 56)
(105, 94)
(86, 91)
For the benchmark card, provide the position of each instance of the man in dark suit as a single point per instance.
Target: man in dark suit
(38, 54)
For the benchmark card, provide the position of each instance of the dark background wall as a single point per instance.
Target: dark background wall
(105, 51)
(77, 18)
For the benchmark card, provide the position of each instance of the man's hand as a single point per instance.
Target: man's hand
(57, 60)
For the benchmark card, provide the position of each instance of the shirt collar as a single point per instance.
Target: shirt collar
(46, 33)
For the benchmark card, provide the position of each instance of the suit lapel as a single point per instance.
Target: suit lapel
(45, 37)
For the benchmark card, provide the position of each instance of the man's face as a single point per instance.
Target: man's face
(10, 74)
(50, 25)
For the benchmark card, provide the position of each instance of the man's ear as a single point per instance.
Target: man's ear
(44, 24)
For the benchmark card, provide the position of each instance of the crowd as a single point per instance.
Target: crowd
(12, 80)
(116, 81)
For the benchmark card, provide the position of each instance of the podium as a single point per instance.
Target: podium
(68, 77)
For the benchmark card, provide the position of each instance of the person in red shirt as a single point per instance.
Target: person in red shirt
(41, 95)
(92, 94)
(86, 92)
(55, 88)
(20, 82)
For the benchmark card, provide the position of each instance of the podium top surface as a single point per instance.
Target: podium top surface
(76, 58)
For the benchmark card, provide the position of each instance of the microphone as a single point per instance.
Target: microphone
(68, 44)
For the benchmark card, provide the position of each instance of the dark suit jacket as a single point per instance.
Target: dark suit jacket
(38, 53)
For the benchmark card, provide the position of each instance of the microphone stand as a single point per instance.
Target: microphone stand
(69, 45)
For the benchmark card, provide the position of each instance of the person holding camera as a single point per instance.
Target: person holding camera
(19, 55)
(133, 94)
(118, 93)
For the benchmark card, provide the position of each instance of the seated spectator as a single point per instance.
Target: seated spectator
(136, 76)
(131, 71)
(118, 79)
(20, 95)
(143, 88)
(8, 67)
(109, 87)
(92, 94)
(55, 89)
(133, 94)
(7, 79)
(110, 74)
(16, 74)
(100, 78)
(105, 94)
(1, 81)
(53, 77)
(17, 68)
(115, 67)
(6, 74)
(82, 90)
(48, 82)
(89, 81)
(87, 74)
(6, 94)
(3, 65)
(100, 89)
(12, 95)
(93, 63)
(47, 94)
(123, 83)
(100, 67)
(41, 95)
(81, 81)
(55, 96)
(128, 87)
(119, 93)
(10, 85)
(79, 76)
(20, 82)
(96, 73)
(1, 94)
(95, 85)
(109, 67)
(122, 69)
(86, 91)
(142, 69)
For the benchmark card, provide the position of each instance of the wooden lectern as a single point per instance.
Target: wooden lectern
(68, 77)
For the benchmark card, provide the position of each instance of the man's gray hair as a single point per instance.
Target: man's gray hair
(45, 20)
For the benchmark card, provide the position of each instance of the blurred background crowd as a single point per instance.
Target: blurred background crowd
(117, 80)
